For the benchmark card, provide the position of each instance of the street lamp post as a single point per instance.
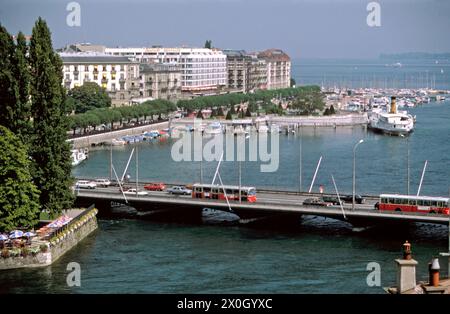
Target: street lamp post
(354, 174)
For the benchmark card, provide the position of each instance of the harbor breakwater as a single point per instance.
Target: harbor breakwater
(92, 140)
(349, 119)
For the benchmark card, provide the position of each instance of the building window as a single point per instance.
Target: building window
(86, 68)
(95, 77)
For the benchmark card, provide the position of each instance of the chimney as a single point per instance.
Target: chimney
(406, 270)
(434, 272)
(393, 105)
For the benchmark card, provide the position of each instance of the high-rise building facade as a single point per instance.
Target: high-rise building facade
(203, 69)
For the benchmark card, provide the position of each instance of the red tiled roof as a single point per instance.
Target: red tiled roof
(274, 55)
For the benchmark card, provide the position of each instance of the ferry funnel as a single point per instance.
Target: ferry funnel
(393, 105)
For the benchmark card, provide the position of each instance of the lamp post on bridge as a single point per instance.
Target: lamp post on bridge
(354, 172)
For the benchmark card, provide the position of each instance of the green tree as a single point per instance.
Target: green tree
(248, 113)
(208, 44)
(7, 80)
(89, 96)
(22, 89)
(220, 112)
(49, 150)
(19, 197)
(199, 115)
(229, 116)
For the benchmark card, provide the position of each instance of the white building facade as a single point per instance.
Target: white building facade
(118, 75)
(278, 65)
(202, 69)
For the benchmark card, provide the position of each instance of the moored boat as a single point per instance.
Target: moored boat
(393, 122)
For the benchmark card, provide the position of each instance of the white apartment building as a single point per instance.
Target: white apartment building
(278, 65)
(118, 75)
(202, 69)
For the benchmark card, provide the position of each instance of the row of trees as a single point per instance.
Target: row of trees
(109, 116)
(306, 99)
(35, 163)
(229, 100)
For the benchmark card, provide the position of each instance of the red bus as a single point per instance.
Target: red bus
(408, 203)
(248, 194)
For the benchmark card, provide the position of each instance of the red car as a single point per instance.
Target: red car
(155, 187)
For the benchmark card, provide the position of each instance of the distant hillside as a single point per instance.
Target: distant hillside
(414, 55)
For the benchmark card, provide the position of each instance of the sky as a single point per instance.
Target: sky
(302, 28)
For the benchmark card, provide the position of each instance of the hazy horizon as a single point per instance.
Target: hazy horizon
(305, 29)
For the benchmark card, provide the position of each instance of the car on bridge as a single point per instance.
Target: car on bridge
(332, 199)
(85, 184)
(133, 192)
(316, 201)
(179, 190)
(155, 186)
(349, 199)
(103, 182)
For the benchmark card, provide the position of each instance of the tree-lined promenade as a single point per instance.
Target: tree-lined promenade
(305, 99)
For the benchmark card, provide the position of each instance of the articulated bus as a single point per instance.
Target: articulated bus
(408, 203)
(248, 194)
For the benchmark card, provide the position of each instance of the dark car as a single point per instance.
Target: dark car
(349, 199)
(332, 199)
(315, 201)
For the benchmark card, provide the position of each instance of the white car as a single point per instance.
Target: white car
(133, 192)
(103, 182)
(85, 184)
